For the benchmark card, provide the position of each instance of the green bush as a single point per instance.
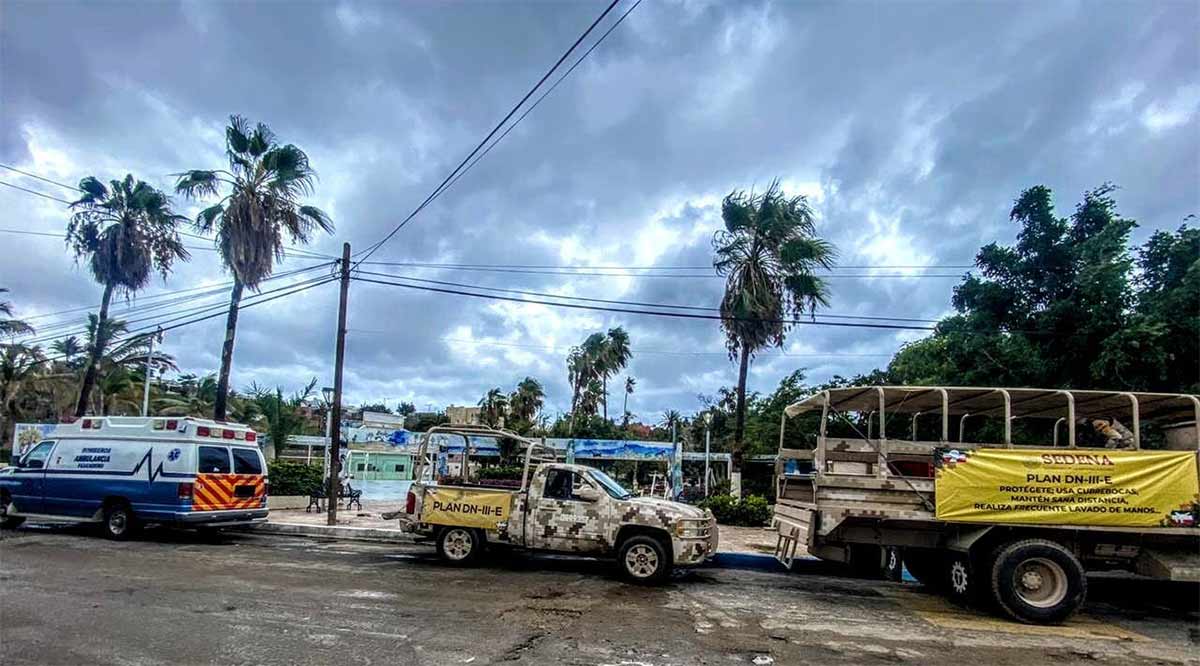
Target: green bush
(294, 478)
(751, 511)
(501, 472)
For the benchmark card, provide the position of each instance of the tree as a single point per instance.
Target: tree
(1064, 307)
(282, 415)
(406, 409)
(494, 407)
(630, 383)
(8, 325)
(125, 231)
(614, 356)
(527, 400)
(20, 365)
(68, 348)
(378, 407)
(265, 181)
(123, 356)
(768, 253)
(194, 398)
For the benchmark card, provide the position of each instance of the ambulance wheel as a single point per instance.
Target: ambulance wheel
(459, 545)
(644, 560)
(119, 521)
(1038, 581)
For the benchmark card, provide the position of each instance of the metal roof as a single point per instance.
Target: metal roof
(1024, 402)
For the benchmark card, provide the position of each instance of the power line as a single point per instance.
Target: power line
(63, 328)
(440, 188)
(158, 325)
(552, 348)
(545, 94)
(621, 267)
(619, 302)
(287, 252)
(73, 188)
(697, 276)
(653, 313)
(35, 192)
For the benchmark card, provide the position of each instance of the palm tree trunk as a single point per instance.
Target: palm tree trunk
(99, 343)
(625, 410)
(739, 428)
(219, 404)
(604, 383)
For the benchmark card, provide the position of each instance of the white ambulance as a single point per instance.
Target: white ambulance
(124, 472)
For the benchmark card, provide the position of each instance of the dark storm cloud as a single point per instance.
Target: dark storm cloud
(912, 127)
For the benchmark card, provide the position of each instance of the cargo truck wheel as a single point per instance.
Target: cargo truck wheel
(1038, 581)
(119, 522)
(459, 545)
(923, 566)
(644, 560)
(893, 564)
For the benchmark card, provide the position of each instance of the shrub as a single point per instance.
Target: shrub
(751, 511)
(501, 472)
(295, 478)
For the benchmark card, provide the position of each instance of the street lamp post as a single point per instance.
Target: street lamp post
(707, 447)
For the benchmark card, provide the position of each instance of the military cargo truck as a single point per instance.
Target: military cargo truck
(1009, 496)
(557, 507)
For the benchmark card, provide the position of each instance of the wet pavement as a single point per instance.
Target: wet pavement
(186, 598)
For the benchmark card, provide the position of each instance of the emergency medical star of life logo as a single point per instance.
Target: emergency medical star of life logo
(174, 455)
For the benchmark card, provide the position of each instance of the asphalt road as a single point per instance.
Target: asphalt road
(182, 598)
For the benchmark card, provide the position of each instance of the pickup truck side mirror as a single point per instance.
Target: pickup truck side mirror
(587, 493)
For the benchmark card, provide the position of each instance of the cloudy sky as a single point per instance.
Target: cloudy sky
(910, 125)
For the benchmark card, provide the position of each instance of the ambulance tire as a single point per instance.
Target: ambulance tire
(459, 546)
(644, 560)
(119, 522)
(1038, 581)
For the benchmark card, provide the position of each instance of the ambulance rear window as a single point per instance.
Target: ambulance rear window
(214, 460)
(245, 461)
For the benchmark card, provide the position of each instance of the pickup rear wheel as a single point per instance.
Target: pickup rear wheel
(459, 545)
(1038, 581)
(644, 560)
(6, 521)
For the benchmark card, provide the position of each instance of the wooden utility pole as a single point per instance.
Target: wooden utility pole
(335, 430)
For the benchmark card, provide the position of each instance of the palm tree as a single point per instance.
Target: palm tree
(8, 325)
(613, 359)
(68, 348)
(195, 397)
(630, 383)
(125, 231)
(20, 365)
(283, 415)
(767, 253)
(525, 402)
(494, 405)
(265, 182)
(124, 356)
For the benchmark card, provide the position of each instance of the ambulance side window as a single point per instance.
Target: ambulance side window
(213, 460)
(246, 461)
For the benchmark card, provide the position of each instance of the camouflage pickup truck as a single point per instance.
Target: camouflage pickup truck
(559, 508)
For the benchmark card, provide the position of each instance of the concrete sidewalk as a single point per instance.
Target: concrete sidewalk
(368, 524)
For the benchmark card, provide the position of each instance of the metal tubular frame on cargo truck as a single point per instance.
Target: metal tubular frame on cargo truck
(871, 495)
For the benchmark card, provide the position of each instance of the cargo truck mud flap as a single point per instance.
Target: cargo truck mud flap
(795, 527)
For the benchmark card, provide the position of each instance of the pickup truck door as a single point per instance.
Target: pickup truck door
(559, 520)
(28, 489)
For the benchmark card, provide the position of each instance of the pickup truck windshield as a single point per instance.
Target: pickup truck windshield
(611, 487)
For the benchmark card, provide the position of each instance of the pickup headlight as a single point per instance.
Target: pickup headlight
(692, 529)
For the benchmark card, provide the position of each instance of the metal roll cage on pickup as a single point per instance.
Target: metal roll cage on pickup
(536, 452)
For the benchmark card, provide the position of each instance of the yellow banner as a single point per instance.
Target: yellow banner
(465, 507)
(1069, 487)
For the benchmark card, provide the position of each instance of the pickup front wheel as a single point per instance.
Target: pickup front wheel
(459, 545)
(644, 560)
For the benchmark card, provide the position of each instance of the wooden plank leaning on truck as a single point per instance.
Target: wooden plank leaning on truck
(1050, 484)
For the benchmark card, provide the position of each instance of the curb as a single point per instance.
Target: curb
(334, 532)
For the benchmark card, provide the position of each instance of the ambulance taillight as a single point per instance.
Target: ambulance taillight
(251, 436)
(185, 490)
